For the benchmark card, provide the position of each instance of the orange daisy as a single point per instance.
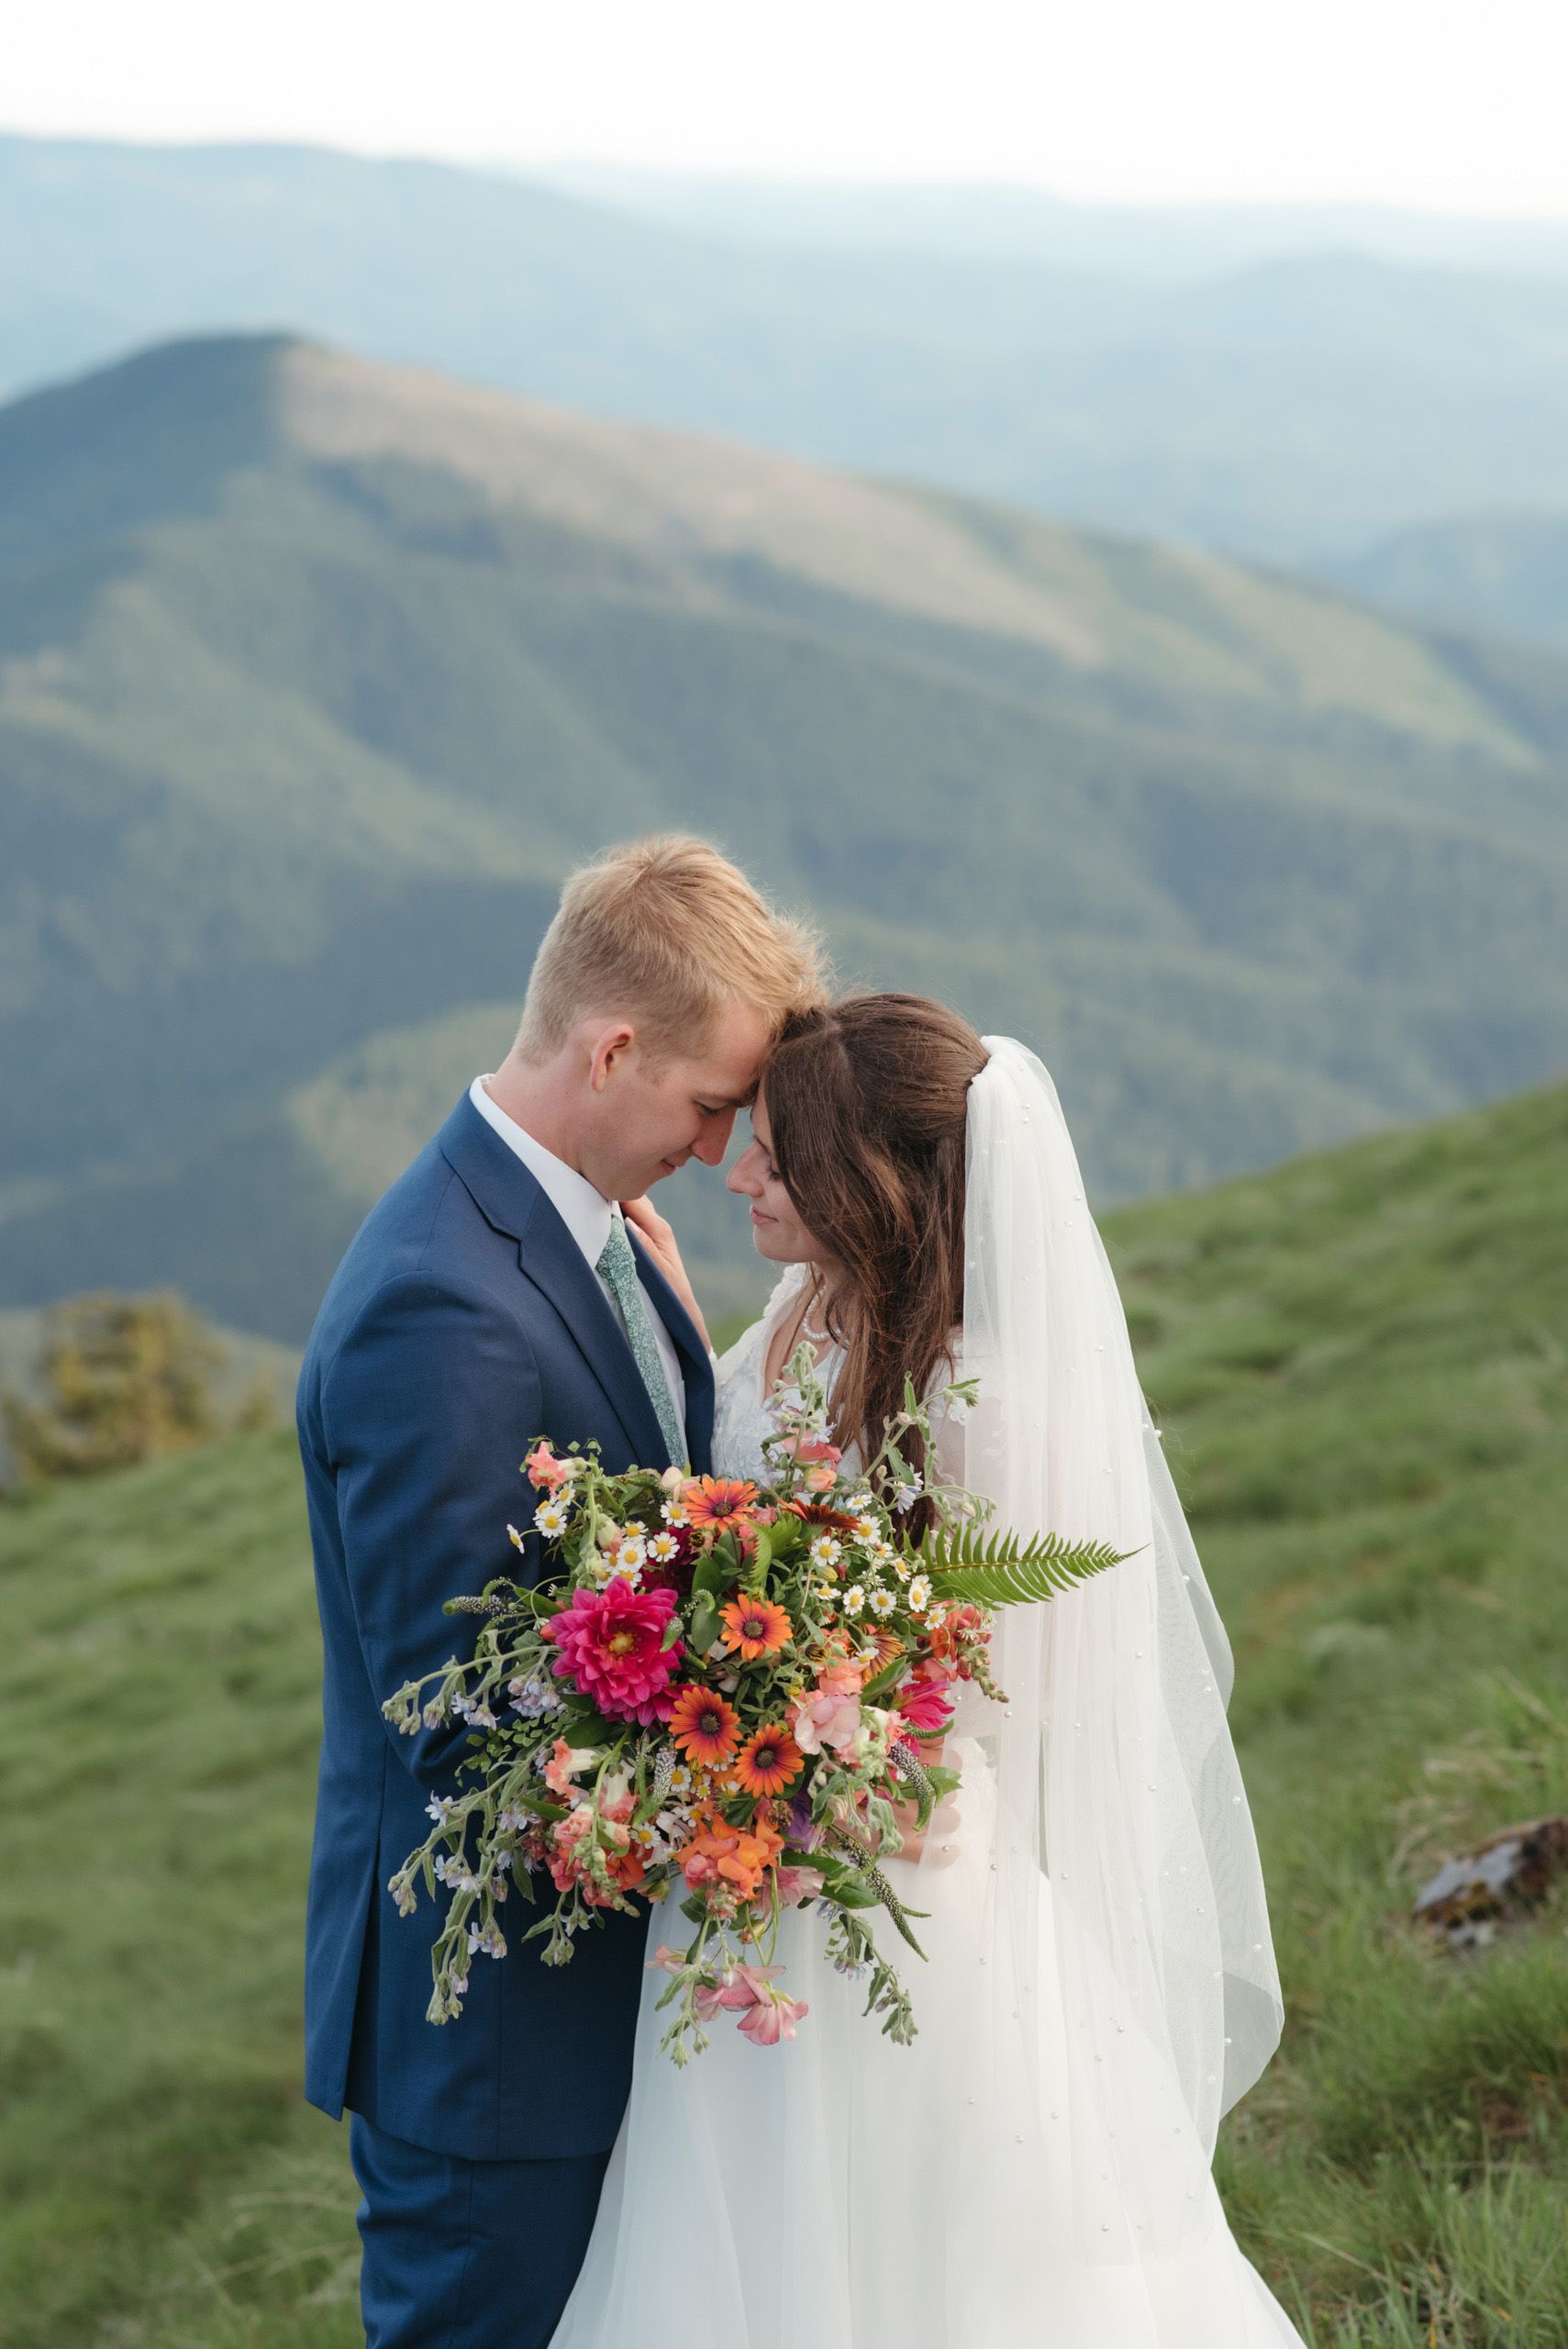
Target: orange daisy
(887, 1644)
(704, 1727)
(768, 1761)
(723, 1502)
(813, 1513)
(753, 1627)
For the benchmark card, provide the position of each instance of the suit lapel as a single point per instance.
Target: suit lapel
(511, 1202)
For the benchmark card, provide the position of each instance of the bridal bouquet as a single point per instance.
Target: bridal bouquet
(720, 1692)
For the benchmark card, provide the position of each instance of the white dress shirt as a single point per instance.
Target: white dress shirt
(586, 1214)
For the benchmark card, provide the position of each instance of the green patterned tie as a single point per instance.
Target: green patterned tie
(617, 1265)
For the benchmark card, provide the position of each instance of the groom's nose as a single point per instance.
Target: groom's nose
(714, 1139)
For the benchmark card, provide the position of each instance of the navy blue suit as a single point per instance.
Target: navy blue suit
(462, 1321)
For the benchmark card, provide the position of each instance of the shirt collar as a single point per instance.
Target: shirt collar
(585, 1211)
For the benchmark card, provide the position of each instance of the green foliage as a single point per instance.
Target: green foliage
(122, 1379)
(1007, 1569)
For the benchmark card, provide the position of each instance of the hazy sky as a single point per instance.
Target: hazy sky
(1453, 105)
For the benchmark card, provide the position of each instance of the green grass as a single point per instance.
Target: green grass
(1361, 1363)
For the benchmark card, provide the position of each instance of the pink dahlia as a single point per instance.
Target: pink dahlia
(612, 1650)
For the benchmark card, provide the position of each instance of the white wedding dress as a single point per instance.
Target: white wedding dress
(841, 2192)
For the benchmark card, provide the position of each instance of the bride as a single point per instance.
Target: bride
(1100, 1986)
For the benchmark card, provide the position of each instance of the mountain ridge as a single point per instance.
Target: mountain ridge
(316, 676)
(1265, 419)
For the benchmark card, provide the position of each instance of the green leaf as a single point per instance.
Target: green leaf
(1004, 1570)
(843, 1882)
(710, 1576)
(704, 1625)
(582, 1724)
(874, 1690)
(851, 1891)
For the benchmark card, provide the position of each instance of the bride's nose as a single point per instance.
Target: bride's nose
(742, 1175)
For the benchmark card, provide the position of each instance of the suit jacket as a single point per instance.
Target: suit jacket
(462, 1321)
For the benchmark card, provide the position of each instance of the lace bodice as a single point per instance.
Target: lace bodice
(743, 1413)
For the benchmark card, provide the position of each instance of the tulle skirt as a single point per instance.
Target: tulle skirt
(841, 2192)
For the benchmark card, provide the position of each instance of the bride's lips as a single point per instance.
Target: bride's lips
(757, 1217)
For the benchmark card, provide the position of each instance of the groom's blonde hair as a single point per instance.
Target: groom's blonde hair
(666, 931)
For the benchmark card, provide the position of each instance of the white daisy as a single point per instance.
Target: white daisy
(919, 1595)
(854, 1599)
(664, 1547)
(825, 1550)
(882, 1602)
(631, 1554)
(549, 1520)
(673, 1514)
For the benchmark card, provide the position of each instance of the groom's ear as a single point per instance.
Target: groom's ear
(609, 1047)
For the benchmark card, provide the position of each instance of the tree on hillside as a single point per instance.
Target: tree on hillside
(120, 1379)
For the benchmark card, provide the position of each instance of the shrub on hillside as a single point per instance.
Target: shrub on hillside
(120, 1379)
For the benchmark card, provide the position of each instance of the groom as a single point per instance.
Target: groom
(496, 1293)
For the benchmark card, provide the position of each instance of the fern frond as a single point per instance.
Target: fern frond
(1005, 1570)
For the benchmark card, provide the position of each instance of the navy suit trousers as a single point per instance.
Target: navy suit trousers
(465, 2255)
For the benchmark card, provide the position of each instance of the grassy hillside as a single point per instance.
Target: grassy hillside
(1360, 1361)
(315, 676)
(1264, 385)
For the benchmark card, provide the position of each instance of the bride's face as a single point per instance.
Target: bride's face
(777, 1231)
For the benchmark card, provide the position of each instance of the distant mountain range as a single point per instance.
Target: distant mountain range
(997, 221)
(317, 676)
(1503, 574)
(1216, 378)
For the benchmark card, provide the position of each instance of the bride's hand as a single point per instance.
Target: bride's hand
(940, 1831)
(662, 1246)
(941, 1828)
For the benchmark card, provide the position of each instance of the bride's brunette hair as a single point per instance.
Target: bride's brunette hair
(867, 1105)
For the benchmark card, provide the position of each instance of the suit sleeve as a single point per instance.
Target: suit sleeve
(425, 1411)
